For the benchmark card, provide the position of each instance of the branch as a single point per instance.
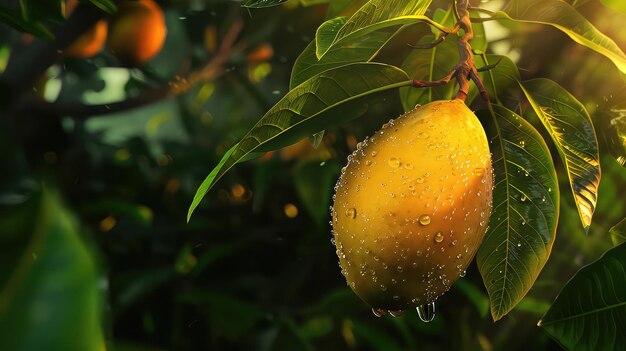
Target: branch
(210, 71)
(465, 70)
(24, 68)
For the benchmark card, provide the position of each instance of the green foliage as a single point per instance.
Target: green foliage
(51, 299)
(248, 274)
(589, 312)
(262, 3)
(565, 18)
(306, 109)
(523, 221)
(572, 131)
(618, 232)
(107, 6)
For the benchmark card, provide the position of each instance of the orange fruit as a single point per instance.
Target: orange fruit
(412, 206)
(137, 32)
(89, 43)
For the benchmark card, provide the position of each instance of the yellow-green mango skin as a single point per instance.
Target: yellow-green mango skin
(412, 206)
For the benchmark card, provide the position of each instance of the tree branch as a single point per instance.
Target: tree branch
(465, 70)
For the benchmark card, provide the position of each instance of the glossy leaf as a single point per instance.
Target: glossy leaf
(52, 293)
(107, 6)
(590, 312)
(328, 98)
(363, 49)
(15, 20)
(499, 80)
(379, 14)
(327, 32)
(562, 16)
(523, 221)
(571, 129)
(257, 4)
(431, 64)
(618, 232)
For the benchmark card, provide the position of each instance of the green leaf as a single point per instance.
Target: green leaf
(571, 129)
(618, 232)
(257, 4)
(328, 98)
(379, 14)
(15, 20)
(327, 32)
(523, 221)
(563, 16)
(618, 5)
(363, 49)
(107, 6)
(500, 80)
(52, 292)
(37, 10)
(589, 313)
(209, 181)
(613, 124)
(429, 65)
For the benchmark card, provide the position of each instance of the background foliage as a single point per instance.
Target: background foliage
(100, 164)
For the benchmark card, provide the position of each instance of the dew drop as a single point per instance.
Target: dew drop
(374, 153)
(479, 171)
(408, 166)
(419, 180)
(439, 237)
(394, 162)
(463, 274)
(383, 287)
(378, 312)
(523, 198)
(424, 220)
(396, 313)
(426, 313)
(368, 163)
(522, 144)
(351, 213)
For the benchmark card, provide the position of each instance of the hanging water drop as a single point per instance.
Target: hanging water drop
(396, 313)
(378, 312)
(426, 312)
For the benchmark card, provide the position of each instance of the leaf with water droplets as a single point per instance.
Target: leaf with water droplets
(571, 129)
(509, 270)
(329, 98)
(590, 311)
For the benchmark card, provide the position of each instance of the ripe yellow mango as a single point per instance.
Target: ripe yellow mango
(412, 206)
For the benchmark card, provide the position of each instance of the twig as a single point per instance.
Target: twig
(466, 69)
(213, 68)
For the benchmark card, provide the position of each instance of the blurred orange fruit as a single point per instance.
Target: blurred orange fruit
(137, 32)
